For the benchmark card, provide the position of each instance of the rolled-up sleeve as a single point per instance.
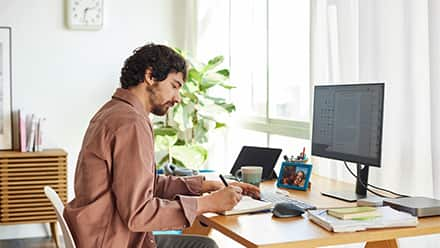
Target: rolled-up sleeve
(134, 184)
(169, 186)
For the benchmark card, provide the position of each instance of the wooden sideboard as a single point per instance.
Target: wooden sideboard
(23, 176)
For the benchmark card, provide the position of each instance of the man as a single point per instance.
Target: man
(119, 199)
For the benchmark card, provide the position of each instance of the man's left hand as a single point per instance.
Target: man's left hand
(248, 189)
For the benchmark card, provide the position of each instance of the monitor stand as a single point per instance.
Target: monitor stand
(347, 196)
(361, 191)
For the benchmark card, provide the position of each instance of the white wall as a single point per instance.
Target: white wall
(67, 75)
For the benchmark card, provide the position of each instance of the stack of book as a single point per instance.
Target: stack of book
(381, 217)
(30, 132)
(356, 213)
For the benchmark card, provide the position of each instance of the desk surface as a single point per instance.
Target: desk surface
(262, 230)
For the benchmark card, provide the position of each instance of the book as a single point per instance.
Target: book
(16, 130)
(22, 127)
(31, 122)
(353, 213)
(248, 205)
(40, 137)
(388, 218)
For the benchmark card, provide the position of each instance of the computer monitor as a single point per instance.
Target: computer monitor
(347, 126)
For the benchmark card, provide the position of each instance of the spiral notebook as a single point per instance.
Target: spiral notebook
(248, 205)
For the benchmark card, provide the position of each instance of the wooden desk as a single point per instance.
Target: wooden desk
(262, 230)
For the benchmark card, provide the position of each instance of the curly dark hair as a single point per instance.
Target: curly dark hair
(161, 59)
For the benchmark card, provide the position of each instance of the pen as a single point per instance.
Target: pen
(223, 180)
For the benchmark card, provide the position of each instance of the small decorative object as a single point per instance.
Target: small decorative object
(294, 175)
(84, 14)
(5, 89)
(301, 158)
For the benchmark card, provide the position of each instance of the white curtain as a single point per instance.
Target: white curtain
(396, 42)
(190, 12)
(206, 28)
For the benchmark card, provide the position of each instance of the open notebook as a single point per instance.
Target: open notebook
(248, 205)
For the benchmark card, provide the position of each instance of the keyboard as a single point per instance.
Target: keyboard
(275, 197)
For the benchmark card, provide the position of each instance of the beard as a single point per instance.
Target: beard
(157, 107)
(160, 110)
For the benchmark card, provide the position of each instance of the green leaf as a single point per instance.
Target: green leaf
(164, 143)
(219, 125)
(162, 162)
(224, 72)
(165, 131)
(178, 50)
(227, 86)
(194, 76)
(200, 132)
(216, 61)
(183, 116)
(206, 84)
(190, 87)
(191, 156)
(188, 92)
(214, 76)
(214, 112)
(228, 107)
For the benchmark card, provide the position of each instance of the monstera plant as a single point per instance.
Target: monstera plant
(182, 135)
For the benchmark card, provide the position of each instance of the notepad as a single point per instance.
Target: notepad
(353, 213)
(248, 205)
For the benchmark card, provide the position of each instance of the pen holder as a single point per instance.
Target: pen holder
(301, 161)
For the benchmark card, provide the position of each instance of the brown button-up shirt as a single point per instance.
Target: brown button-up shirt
(119, 199)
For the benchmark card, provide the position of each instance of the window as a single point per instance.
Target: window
(248, 47)
(269, 60)
(268, 48)
(288, 62)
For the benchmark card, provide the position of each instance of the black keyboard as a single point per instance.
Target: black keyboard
(277, 197)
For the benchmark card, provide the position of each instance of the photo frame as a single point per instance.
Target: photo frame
(5, 89)
(294, 175)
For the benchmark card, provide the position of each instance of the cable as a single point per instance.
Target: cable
(378, 188)
(362, 183)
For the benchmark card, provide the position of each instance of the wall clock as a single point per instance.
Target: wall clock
(84, 14)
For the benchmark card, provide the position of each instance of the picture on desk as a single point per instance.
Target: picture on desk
(294, 175)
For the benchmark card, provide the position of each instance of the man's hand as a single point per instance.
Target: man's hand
(210, 186)
(221, 200)
(248, 189)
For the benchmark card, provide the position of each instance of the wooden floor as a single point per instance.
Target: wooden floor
(221, 240)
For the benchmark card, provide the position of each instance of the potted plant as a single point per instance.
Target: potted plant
(181, 136)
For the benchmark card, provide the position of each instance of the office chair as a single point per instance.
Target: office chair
(59, 208)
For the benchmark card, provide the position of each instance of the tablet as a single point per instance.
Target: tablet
(258, 156)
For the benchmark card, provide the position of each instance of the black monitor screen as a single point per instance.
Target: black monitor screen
(347, 122)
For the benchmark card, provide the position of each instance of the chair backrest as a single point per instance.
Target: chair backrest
(59, 209)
